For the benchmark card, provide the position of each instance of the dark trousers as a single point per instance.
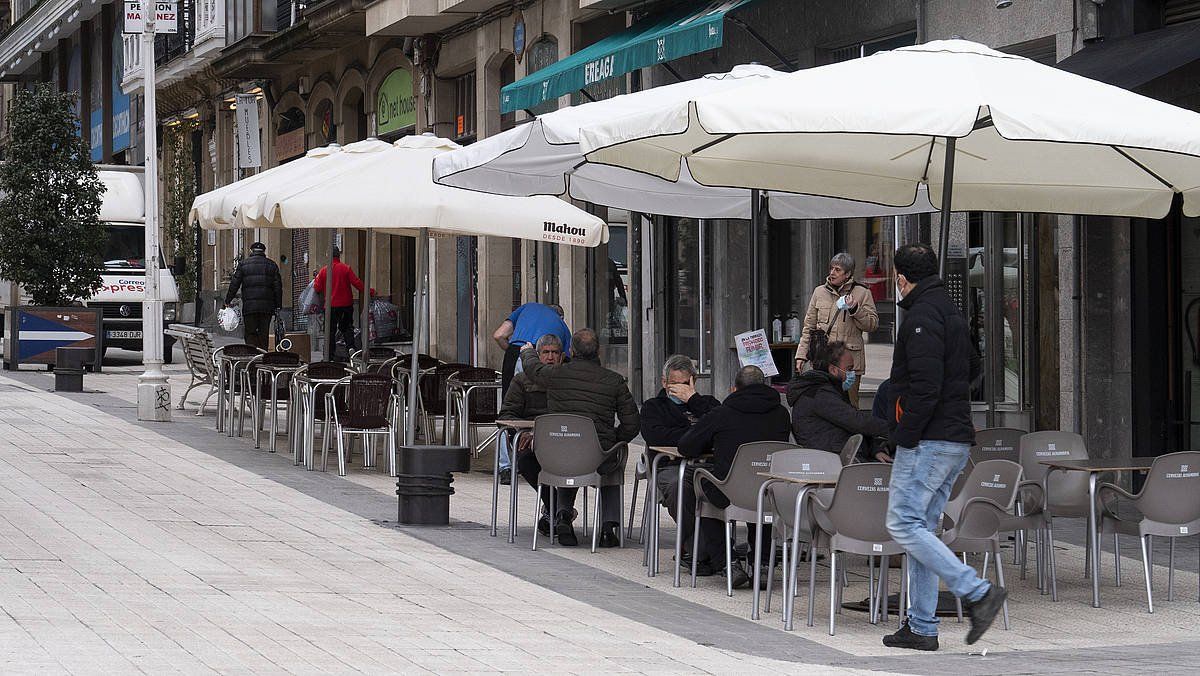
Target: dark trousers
(712, 531)
(564, 499)
(512, 354)
(257, 328)
(342, 319)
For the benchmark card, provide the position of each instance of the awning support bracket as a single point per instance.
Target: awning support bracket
(788, 63)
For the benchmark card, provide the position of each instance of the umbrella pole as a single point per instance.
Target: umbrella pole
(366, 299)
(419, 309)
(947, 192)
(329, 299)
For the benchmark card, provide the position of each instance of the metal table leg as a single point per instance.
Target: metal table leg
(679, 531)
(754, 598)
(1093, 528)
(789, 576)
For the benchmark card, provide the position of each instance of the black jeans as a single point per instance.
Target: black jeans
(712, 531)
(512, 354)
(342, 319)
(256, 329)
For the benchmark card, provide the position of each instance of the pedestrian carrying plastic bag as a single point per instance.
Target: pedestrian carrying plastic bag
(229, 319)
(312, 301)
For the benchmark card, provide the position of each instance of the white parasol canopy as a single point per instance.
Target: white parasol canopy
(1004, 133)
(543, 157)
(390, 188)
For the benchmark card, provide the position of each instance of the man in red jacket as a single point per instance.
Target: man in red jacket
(341, 304)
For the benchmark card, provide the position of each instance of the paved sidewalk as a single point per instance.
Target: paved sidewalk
(275, 568)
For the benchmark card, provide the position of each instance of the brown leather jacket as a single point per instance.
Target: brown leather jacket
(848, 327)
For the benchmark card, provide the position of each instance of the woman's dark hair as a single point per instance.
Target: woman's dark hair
(821, 352)
(916, 262)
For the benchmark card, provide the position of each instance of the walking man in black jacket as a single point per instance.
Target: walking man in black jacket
(932, 368)
(262, 294)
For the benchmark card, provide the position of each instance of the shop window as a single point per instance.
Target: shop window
(872, 243)
(608, 280)
(689, 289)
(588, 33)
(858, 50)
(464, 108)
(508, 75)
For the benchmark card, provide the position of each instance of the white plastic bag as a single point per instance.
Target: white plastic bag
(312, 301)
(229, 318)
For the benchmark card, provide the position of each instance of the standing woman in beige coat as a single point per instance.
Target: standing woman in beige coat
(844, 309)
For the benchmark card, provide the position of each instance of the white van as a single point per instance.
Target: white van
(124, 275)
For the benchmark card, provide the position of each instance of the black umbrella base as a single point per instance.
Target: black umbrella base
(945, 608)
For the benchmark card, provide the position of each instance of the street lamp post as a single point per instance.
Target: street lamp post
(153, 390)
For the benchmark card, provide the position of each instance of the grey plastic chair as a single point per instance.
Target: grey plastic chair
(853, 522)
(569, 452)
(997, 443)
(1169, 506)
(973, 518)
(641, 473)
(1044, 496)
(781, 500)
(741, 487)
(849, 454)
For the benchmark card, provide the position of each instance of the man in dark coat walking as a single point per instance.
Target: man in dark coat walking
(257, 277)
(932, 369)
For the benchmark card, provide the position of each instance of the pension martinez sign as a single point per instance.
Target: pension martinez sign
(166, 16)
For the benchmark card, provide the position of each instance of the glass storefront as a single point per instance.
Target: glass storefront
(690, 263)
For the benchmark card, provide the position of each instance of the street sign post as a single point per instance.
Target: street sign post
(153, 390)
(166, 17)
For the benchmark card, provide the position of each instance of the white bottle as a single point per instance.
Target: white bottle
(777, 330)
(793, 328)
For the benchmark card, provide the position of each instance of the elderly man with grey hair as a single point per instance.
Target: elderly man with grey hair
(843, 308)
(665, 418)
(526, 400)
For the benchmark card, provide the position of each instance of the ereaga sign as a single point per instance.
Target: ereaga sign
(166, 16)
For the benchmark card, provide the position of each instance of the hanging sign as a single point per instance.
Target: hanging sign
(249, 150)
(754, 350)
(166, 17)
(519, 36)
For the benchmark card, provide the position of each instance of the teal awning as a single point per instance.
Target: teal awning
(669, 36)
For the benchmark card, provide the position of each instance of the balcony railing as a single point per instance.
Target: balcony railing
(201, 32)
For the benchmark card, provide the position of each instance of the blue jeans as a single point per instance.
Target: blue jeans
(505, 460)
(921, 481)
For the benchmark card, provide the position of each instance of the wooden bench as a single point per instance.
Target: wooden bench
(198, 354)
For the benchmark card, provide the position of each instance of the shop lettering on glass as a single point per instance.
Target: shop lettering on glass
(598, 70)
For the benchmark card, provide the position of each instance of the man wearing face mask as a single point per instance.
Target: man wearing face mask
(932, 368)
(844, 309)
(822, 416)
(665, 418)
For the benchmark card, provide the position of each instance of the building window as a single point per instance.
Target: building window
(543, 53)
(464, 108)
(689, 290)
(860, 49)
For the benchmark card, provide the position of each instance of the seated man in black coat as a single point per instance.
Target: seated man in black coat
(752, 412)
(665, 418)
(822, 415)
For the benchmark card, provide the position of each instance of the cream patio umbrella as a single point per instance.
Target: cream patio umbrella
(390, 189)
(983, 130)
(543, 157)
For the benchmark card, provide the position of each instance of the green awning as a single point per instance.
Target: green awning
(669, 36)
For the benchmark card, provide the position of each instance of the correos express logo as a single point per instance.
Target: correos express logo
(124, 285)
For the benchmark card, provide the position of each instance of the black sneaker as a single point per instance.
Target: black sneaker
(741, 579)
(506, 477)
(906, 638)
(565, 533)
(544, 525)
(609, 536)
(983, 611)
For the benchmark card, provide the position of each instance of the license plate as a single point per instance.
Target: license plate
(123, 334)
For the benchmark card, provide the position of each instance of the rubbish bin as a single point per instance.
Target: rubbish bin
(423, 478)
(68, 367)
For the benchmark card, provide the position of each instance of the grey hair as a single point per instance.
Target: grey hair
(678, 362)
(844, 261)
(749, 375)
(585, 344)
(549, 339)
(557, 308)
